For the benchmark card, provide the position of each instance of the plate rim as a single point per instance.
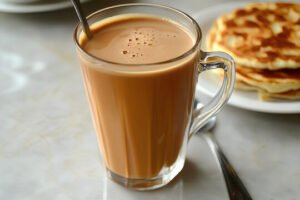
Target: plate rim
(266, 107)
(37, 7)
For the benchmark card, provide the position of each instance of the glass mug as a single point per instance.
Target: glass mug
(143, 119)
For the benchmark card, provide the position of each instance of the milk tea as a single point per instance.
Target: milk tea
(140, 103)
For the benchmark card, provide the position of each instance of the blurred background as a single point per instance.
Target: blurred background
(48, 148)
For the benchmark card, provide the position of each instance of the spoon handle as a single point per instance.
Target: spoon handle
(82, 19)
(235, 187)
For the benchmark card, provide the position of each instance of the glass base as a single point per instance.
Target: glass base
(147, 183)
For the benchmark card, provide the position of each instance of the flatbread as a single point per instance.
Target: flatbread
(267, 96)
(260, 36)
(271, 81)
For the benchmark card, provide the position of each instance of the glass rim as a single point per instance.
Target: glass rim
(184, 55)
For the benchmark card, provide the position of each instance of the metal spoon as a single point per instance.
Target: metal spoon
(82, 19)
(235, 187)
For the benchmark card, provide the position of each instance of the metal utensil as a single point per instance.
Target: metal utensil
(82, 19)
(235, 187)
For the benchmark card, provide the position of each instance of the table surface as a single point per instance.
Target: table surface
(48, 147)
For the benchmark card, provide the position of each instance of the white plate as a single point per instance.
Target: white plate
(38, 6)
(241, 99)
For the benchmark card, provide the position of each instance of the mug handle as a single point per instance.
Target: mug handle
(219, 60)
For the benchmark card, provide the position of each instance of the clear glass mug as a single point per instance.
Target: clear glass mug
(143, 136)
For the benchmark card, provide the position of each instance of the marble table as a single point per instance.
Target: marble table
(48, 147)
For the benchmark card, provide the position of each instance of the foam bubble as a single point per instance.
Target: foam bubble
(138, 41)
